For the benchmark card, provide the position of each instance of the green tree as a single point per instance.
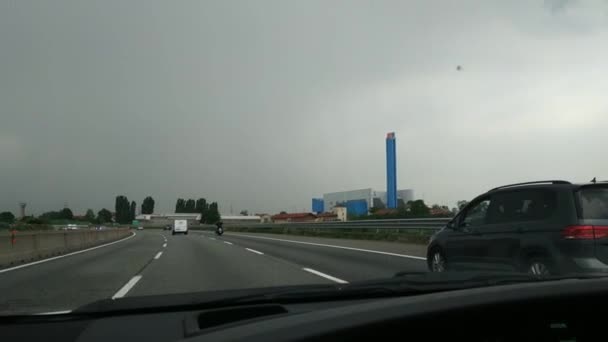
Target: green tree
(147, 206)
(122, 209)
(213, 216)
(190, 206)
(419, 209)
(104, 215)
(132, 211)
(7, 216)
(90, 215)
(461, 204)
(66, 214)
(180, 206)
(202, 208)
(50, 215)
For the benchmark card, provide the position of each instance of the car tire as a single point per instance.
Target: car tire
(539, 267)
(186, 233)
(437, 261)
(172, 233)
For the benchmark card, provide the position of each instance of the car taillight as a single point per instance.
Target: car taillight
(585, 232)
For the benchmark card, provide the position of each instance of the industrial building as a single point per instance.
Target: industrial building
(231, 219)
(166, 219)
(359, 202)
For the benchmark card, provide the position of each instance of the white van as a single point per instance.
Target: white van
(180, 226)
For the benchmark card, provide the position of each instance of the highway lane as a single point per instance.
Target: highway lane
(195, 262)
(72, 281)
(363, 260)
(155, 262)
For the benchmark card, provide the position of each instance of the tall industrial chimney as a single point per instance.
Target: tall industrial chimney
(391, 171)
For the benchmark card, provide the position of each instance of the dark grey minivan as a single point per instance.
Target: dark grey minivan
(544, 227)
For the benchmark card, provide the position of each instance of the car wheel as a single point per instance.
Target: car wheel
(538, 267)
(172, 233)
(437, 262)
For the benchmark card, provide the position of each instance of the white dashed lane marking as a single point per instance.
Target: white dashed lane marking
(254, 251)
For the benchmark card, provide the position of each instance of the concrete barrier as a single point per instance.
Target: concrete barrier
(25, 247)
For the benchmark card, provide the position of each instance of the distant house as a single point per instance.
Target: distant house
(327, 217)
(294, 217)
(440, 211)
(264, 218)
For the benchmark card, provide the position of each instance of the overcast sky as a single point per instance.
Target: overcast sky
(262, 105)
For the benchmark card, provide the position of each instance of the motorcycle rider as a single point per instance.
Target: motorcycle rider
(219, 228)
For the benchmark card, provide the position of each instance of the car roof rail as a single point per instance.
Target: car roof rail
(530, 183)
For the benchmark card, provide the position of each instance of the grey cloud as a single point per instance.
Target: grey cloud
(558, 5)
(263, 105)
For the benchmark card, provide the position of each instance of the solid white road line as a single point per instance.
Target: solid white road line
(63, 312)
(65, 255)
(158, 255)
(326, 276)
(334, 246)
(254, 251)
(128, 286)
(228, 243)
(164, 245)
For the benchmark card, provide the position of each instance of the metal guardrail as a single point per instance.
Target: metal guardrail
(430, 224)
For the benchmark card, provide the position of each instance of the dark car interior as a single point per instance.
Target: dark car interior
(566, 310)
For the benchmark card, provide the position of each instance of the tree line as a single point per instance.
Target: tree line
(412, 209)
(210, 213)
(125, 212)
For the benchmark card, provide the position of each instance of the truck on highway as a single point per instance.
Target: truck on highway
(180, 227)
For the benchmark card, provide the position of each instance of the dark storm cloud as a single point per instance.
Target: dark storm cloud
(263, 105)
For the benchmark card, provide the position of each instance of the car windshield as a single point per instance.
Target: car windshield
(154, 148)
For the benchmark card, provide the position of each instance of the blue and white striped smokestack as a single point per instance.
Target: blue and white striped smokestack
(391, 171)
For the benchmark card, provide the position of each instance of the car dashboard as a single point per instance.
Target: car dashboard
(566, 310)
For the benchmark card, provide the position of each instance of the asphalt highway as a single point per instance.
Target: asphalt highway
(154, 262)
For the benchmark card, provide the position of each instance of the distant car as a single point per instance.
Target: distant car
(546, 227)
(140, 228)
(167, 227)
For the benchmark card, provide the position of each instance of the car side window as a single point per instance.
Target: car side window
(522, 205)
(476, 214)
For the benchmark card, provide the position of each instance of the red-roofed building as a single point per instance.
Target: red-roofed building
(327, 217)
(294, 217)
(385, 212)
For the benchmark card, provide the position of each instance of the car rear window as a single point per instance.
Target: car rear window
(593, 203)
